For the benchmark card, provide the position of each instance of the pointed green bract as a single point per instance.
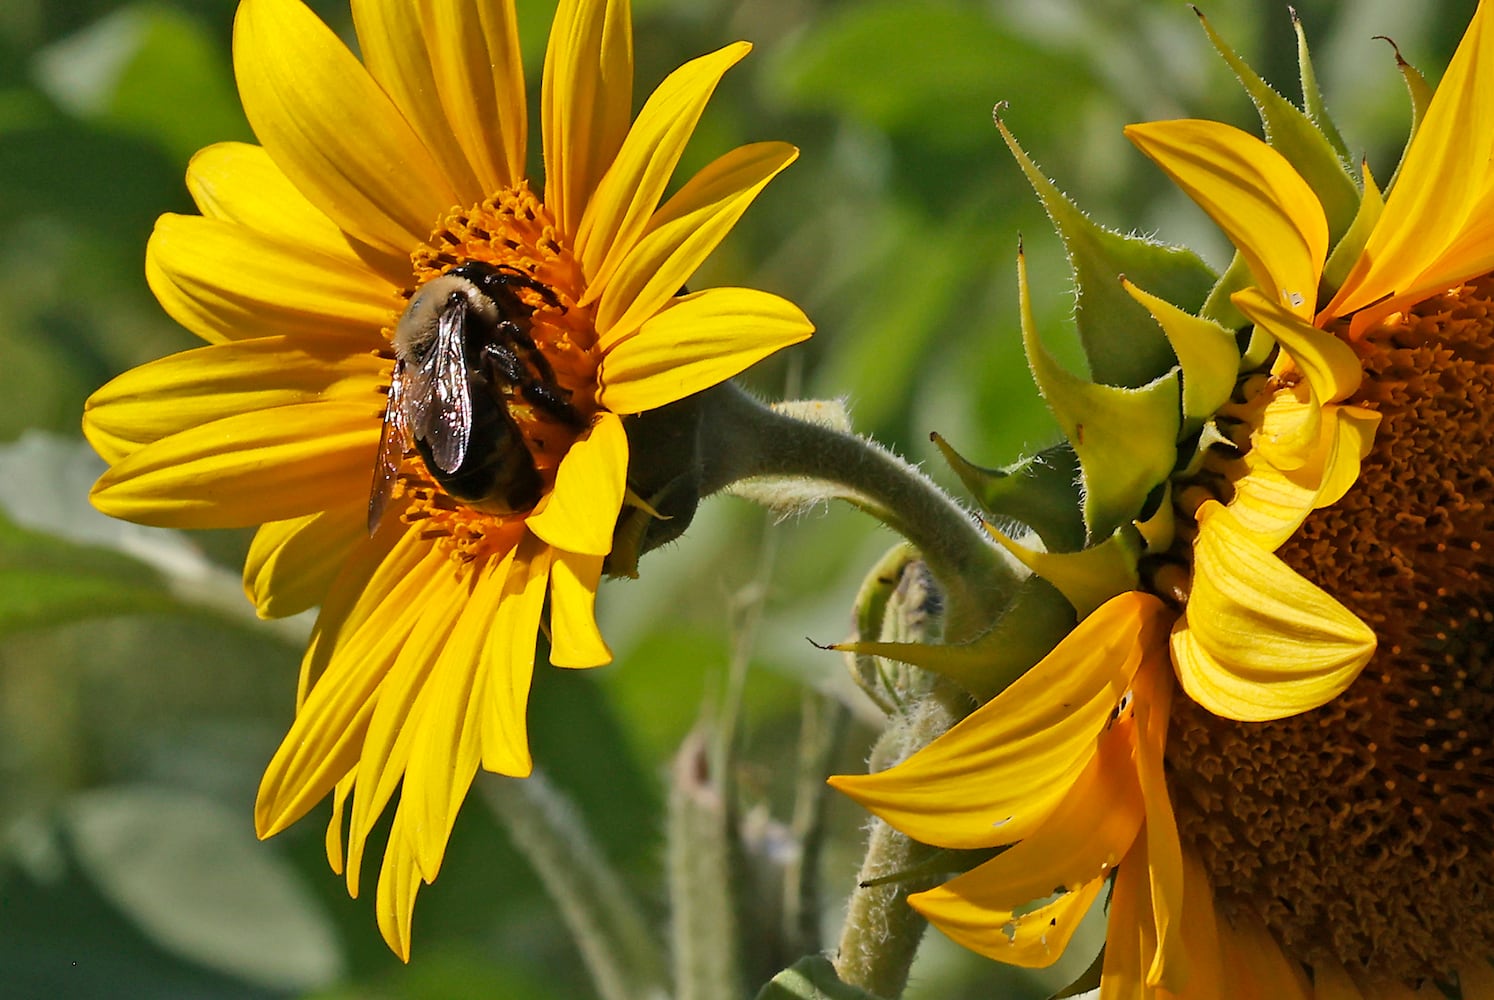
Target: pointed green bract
(1347, 252)
(1312, 96)
(1126, 439)
(1123, 346)
(1421, 98)
(1032, 624)
(1041, 491)
(1292, 134)
(1206, 352)
(1092, 576)
(1217, 306)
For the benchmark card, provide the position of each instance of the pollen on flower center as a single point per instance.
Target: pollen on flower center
(1363, 831)
(541, 372)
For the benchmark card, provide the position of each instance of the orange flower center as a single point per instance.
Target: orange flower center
(530, 365)
(1363, 831)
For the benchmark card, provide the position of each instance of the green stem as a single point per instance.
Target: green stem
(616, 943)
(742, 439)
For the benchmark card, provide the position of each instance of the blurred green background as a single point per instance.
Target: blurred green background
(139, 697)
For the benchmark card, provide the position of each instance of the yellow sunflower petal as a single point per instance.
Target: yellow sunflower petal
(1130, 938)
(448, 746)
(575, 640)
(1330, 365)
(399, 714)
(186, 390)
(291, 564)
(374, 566)
(630, 190)
(1254, 962)
(401, 51)
(399, 882)
(1033, 940)
(582, 508)
(333, 840)
(508, 661)
(1079, 843)
(1258, 641)
(480, 73)
(333, 131)
(1170, 963)
(999, 773)
(1441, 183)
(1331, 981)
(1266, 209)
(683, 233)
(1476, 979)
(246, 469)
(586, 101)
(224, 281)
(696, 342)
(325, 740)
(1197, 940)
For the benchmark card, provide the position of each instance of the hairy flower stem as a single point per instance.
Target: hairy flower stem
(881, 934)
(743, 439)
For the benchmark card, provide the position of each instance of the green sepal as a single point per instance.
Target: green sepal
(1347, 252)
(1295, 136)
(1218, 306)
(1126, 439)
(1421, 98)
(1040, 491)
(1206, 352)
(813, 977)
(1032, 624)
(1090, 577)
(1123, 346)
(1312, 95)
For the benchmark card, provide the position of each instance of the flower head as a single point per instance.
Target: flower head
(1270, 732)
(561, 302)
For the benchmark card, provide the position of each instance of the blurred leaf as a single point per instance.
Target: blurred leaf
(193, 878)
(149, 70)
(811, 978)
(931, 70)
(80, 563)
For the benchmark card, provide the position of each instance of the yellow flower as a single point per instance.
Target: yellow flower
(373, 179)
(1308, 812)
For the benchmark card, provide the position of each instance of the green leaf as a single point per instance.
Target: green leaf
(1218, 307)
(1041, 491)
(1421, 98)
(190, 874)
(1123, 345)
(1294, 135)
(1089, 577)
(927, 70)
(813, 977)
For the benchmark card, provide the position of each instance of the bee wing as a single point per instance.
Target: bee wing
(448, 422)
(393, 439)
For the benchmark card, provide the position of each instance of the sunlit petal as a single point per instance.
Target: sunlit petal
(696, 342)
(998, 774)
(1258, 641)
(508, 661)
(628, 193)
(575, 639)
(588, 494)
(291, 564)
(586, 101)
(1266, 209)
(682, 234)
(333, 131)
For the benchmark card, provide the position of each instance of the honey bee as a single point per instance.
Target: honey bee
(464, 354)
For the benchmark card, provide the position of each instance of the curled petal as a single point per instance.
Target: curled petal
(1258, 641)
(997, 775)
(582, 510)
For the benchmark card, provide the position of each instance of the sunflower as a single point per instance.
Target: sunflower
(371, 180)
(1271, 735)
